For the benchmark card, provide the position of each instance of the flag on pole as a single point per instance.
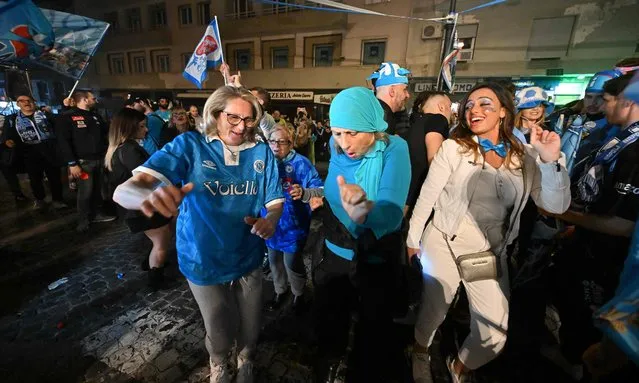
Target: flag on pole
(56, 40)
(207, 54)
(448, 68)
(24, 31)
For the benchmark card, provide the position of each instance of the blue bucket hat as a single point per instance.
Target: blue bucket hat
(531, 97)
(389, 74)
(596, 83)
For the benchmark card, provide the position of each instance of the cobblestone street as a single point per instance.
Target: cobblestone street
(104, 325)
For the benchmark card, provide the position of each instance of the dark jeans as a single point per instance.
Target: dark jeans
(374, 354)
(41, 159)
(10, 175)
(90, 189)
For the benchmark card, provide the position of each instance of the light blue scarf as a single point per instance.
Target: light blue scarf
(357, 109)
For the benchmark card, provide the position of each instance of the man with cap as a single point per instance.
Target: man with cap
(390, 83)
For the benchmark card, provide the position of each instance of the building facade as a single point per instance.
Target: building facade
(305, 56)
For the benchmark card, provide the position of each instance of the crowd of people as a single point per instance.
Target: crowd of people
(505, 199)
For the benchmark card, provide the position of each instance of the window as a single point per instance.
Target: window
(243, 59)
(467, 34)
(113, 19)
(134, 19)
(185, 14)
(279, 57)
(203, 13)
(137, 61)
(373, 52)
(242, 9)
(185, 58)
(323, 55)
(116, 64)
(550, 37)
(162, 63)
(284, 7)
(157, 15)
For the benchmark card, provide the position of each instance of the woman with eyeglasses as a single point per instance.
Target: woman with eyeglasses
(477, 186)
(228, 179)
(179, 123)
(300, 182)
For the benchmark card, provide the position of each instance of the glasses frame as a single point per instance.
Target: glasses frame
(279, 142)
(245, 119)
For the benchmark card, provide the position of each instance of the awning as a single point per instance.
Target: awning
(194, 95)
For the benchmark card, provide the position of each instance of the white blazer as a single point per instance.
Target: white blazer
(452, 177)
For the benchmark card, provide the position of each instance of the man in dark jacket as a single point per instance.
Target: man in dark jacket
(33, 132)
(83, 142)
(391, 88)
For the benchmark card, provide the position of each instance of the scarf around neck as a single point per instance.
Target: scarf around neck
(369, 172)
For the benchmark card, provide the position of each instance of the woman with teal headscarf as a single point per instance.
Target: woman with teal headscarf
(365, 190)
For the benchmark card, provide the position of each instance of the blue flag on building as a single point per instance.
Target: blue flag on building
(57, 40)
(207, 54)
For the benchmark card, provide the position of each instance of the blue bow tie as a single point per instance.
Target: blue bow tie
(500, 148)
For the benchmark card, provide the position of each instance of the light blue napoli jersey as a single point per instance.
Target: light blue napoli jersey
(214, 243)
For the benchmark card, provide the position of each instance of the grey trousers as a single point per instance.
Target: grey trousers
(291, 264)
(231, 312)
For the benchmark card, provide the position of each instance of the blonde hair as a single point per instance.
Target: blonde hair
(281, 128)
(190, 122)
(217, 102)
(519, 123)
(124, 126)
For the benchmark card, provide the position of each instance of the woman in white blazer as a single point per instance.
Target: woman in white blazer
(477, 186)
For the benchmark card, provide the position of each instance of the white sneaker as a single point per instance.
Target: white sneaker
(244, 370)
(421, 367)
(220, 373)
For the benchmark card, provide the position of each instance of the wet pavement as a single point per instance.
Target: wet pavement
(105, 325)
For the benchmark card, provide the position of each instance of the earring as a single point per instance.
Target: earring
(501, 122)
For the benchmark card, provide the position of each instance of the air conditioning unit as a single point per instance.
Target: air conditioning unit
(432, 32)
(466, 55)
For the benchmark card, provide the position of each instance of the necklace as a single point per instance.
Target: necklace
(233, 153)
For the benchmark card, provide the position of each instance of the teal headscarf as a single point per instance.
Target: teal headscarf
(358, 109)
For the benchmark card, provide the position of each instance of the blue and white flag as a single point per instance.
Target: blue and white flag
(207, 54)
(24, 31)
(56, 40)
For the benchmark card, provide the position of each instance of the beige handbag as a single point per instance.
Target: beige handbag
(483, 265)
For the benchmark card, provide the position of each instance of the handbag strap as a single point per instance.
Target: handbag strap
(510, 226)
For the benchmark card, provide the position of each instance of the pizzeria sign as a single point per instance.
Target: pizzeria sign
(292, 95)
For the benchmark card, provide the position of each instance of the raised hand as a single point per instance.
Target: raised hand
(547, 144)
(354, 200)
(165, 200)
(261, 227)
